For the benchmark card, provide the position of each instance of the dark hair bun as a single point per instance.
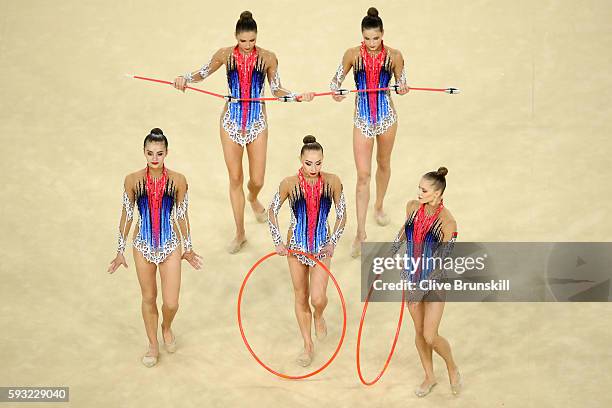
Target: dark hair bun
(372, 12)
(309, 139)
(442, 171)
(246, 15)
(156, 131)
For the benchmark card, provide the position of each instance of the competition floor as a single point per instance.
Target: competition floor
(526, 143)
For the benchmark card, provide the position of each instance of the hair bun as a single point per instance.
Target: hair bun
(156, 131)
(246, 15)
(372, 12)
(442, 171)
(309, 139)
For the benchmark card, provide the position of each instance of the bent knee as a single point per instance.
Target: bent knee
(430, 338)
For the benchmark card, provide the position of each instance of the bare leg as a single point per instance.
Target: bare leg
(417, 311)
(362, 151)
(303, 313)
(145, 271)
(232, 153)
(318, 296)
(433, 316)
(384, 147)
(256, 152)
(170, 272)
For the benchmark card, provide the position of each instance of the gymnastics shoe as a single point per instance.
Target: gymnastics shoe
(149, 360)
(321, 335)
(456, 387)
(305, 358)
(170, 347)
(421, 392)
(355, 250)
(262, 216)
(235, 247)
(382, 219)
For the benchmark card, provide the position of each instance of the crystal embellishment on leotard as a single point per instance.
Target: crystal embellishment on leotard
(336, 81)
(204, 73)
(155, 198)
(340, 212)
(373, 111)
(245, 120)
(120, 242)
(181, 208)
(274, 208)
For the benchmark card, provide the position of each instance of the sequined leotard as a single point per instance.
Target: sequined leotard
(310, 207)
(244, 120)
(161, 202)
(425, 237)
(374, 112)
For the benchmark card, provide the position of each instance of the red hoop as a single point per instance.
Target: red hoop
(292, 377)
(397, 332)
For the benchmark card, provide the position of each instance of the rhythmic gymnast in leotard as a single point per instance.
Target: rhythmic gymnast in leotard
(373, 64)
(244, 124)
(310, 193)
(160, 195)
(429, 229)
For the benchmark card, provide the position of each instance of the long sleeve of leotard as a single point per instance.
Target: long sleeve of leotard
(273, 209)
(274, 79)
(127, 215)
(341, 72)
(182, 217)
(215, 62)
(340, 204)
(399, 70)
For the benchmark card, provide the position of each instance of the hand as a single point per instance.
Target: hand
(306, 97)
(403, 89)
(180, 83)
(281, 249)
(194, 259)
(328, 250)
(338, 98)
(115, 263)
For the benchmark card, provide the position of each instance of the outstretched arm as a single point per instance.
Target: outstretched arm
(205, 71)
(278, 200)
(182, 217)
(125, 223)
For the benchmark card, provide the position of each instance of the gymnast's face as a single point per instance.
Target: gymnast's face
(155, 153)
(246, 41)
(312, 160)
(372, 37)
(427, 193)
